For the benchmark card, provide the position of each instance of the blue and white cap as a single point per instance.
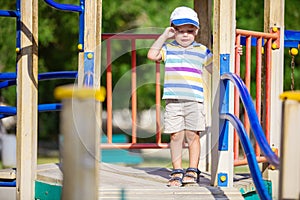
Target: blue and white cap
(184, 15)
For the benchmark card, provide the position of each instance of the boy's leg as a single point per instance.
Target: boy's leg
(176, 154)
(193, 140)
(176, 143)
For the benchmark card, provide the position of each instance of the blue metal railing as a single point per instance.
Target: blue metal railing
(10, 79)
(257, 131)
(17, 14)
(73, 8)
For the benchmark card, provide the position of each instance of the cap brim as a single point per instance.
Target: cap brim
(179, 22)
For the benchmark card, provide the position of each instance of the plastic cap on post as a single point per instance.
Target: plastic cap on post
(71, 91)
(290, 95)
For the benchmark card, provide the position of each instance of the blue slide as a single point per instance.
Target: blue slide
(245, 140)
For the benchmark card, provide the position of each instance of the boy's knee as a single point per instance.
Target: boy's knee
(191, 136)
(177, 136)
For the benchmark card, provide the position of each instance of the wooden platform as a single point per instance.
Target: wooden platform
(121, 182)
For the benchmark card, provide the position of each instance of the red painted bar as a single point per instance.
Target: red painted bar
(257, 34)
(260, 159)
(134, 145)
(109, 92)
(157, 101)
(137, 146)
(247, 78)
(133, 90)
(268, 87)
(128, 36)
(236, 97)
(258, 84)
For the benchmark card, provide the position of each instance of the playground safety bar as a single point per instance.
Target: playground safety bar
(43, 76)
(66, 7)
(9, 13)
(17, 14)
(73, 8)
(10, 80)
(133, 144)
(250, 154)
(269, 41)
(10, 110)
(254, 122)
(8, 183)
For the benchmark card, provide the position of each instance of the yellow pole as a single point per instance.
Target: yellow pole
(81, 141)
(290, 150)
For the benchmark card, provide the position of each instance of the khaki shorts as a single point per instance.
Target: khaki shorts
(184, 115)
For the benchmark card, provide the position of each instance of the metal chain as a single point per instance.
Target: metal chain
(292, 73)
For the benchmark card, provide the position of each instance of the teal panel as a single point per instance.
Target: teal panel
(119, 155)
(253, 195)
(46, 191)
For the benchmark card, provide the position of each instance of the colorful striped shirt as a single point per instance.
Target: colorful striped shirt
(183, 70)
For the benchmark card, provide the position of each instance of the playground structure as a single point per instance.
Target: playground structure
(222, 92)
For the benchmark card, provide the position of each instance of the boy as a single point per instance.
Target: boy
(183, 90)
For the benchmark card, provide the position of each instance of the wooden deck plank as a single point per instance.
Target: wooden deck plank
(146, 183)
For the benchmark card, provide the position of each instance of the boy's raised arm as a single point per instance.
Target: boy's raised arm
(154, 52)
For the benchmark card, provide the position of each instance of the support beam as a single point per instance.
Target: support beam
(27, 62)
(274, 16)
(89, 58)
(204, 10)
(223, 46)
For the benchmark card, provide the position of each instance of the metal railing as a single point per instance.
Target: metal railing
(263, 43)
(133, 145)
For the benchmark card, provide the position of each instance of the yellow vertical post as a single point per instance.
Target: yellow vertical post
(274, 17)
(290, 150)
(81, 142)
(27, 101)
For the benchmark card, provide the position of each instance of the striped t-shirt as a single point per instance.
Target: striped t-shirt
(183, 70)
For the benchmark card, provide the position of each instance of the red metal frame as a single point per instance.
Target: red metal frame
(269, 38)
(133, 144)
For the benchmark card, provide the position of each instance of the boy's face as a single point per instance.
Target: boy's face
(185, 34)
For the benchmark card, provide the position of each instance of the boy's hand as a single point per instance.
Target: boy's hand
(154, 52)
(239, 49)
(169, 32)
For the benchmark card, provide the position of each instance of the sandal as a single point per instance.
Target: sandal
(190, 173)
(176, 179)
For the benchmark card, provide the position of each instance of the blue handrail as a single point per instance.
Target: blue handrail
(9, 13)
(64, 7)
(254, 122)
(10, 77)
(73, 8)
(250, 154)
(6, 111)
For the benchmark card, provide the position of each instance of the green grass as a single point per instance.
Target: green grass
(41, 160)
(241, 169)
(45, 160)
